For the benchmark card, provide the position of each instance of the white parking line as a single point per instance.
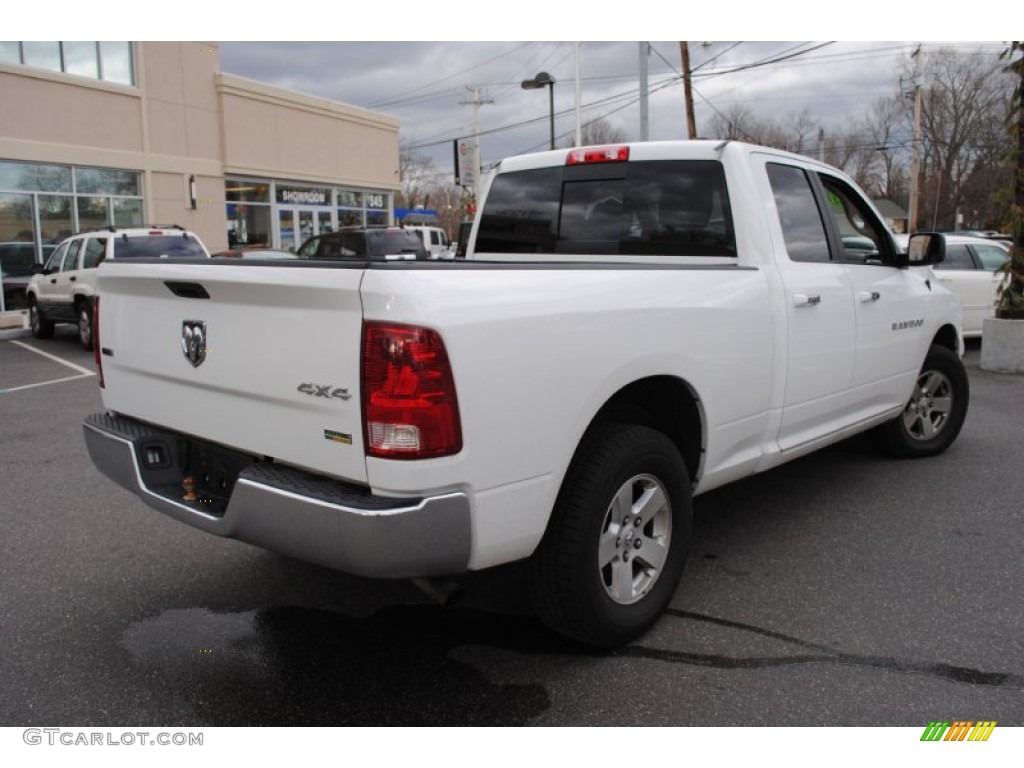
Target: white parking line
(82, 372)
(45, 383)
(56, 359)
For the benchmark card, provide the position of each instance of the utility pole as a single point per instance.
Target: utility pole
(579, 75)
(691, 123)
(645, 126)
(915, 148)
(476, 102)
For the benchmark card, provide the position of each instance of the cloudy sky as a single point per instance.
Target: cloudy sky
(429, 86)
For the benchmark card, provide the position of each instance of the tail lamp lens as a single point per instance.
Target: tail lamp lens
(97, 355)
(410, 410)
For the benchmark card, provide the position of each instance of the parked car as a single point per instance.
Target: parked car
(17, 258)
(969, 271)
(365, 243)
(62, 290)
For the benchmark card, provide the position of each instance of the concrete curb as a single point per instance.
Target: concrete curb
(14, 324)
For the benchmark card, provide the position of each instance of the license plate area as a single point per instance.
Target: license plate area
(209, 475)
(190, 471)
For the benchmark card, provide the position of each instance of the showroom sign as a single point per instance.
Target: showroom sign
(303, 195)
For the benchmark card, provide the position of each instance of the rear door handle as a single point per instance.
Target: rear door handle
(804, 300)
(865, 296)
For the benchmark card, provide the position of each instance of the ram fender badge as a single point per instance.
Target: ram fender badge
(193, 341)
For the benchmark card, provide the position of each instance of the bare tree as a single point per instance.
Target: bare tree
(737, 123)
(451, 204)
(417, 176)
(599, 131)
(966, 98)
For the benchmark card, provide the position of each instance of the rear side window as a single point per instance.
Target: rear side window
(395, 243)
(666, 208)
(94, 252)
(992, 256)
(802, 227)
(157, 247)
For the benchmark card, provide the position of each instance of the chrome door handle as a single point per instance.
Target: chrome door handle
(803, 300)
(869, 296)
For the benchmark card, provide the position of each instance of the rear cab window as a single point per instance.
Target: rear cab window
(157, 247)
(655, 207)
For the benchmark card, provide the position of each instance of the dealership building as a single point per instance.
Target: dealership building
(153, 133)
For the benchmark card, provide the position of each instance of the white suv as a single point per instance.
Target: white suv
(435, 240)
(62, 291)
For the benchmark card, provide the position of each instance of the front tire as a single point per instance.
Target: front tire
(617, 541)
(41, 327)
(935, 413)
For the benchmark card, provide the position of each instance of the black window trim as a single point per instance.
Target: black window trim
(835, 240)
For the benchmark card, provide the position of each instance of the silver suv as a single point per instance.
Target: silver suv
(62, 291)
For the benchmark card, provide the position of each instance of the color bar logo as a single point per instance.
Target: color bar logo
(960, 730)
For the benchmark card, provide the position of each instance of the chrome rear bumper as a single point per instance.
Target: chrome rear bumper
(308, 517)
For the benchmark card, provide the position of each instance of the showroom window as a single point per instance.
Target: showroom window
(112, 62)
(42, 203)
(284, 214)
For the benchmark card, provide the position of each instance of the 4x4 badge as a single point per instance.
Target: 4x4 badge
(193, 341)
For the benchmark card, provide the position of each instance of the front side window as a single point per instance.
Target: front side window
(308, 249)
(862, 237)
(957, 257)
(53, 265)
(71, 258)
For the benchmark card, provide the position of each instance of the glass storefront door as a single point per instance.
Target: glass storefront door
(297, 225)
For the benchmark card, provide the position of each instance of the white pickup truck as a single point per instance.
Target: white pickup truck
(633, 325)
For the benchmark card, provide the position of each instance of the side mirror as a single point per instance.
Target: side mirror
(925, 249)
(38, 269)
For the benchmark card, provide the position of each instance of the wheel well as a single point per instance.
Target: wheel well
(946, 337)
(666, 404)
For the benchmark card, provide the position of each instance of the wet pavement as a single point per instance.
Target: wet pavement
(841, 589)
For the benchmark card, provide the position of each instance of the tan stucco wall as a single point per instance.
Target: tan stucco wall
(185, 119)
(288, 135)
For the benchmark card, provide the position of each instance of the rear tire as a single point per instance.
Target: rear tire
(935, 413)
(41, 327)
(617, 541)
(83, 313)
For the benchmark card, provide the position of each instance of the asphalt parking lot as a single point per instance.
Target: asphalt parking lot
(843, 589)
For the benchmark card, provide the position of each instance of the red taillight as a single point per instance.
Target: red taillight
(588, 155)
(96, 354)
(409, 406)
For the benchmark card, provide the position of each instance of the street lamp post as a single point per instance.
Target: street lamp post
(544, 79)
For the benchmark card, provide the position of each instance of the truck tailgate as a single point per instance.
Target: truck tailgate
(273, 368)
